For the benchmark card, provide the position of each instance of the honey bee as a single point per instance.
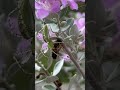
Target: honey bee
(56, 48)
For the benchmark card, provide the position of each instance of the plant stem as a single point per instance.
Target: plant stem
(73, 60)
(71, 57)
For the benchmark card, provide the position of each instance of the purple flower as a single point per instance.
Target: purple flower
(82, 30)
(65, 57)
(80, 23)
(45, 47)
(52, 34)
(40, 36)
(72, 3)
(80, 15)
(45, 7)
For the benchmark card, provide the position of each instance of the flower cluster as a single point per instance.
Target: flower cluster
(60, 36)
(80, 23)
(46, 7)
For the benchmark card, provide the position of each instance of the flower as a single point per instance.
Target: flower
(52, 34)
(82, 30)
(40, 36)
(80, 23)
(44, 44)
(45, 7)
(65, 57)
(45, 47)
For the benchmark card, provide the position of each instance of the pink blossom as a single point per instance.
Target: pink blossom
(45, 7)
(44, 47)
(52, 34)
(65, 56)
(40, 36)
(80, 23)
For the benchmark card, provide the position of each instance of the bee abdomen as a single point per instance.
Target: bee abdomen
(54, 56)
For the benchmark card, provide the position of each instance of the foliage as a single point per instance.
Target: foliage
(60, 34)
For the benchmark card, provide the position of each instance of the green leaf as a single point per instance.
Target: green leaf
(81, 7)
(58, 67)
(54, 27)
(43, 60)
(50, 43)
(40, 81)
(73, 31)
(50, 79)
(45, 32)
(67, 25)
(48, 87)
(46, 36)
(64, 12)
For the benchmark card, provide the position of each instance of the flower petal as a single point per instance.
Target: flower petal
(73, 5)
(64, 3)
(52, 34)
(80, 23)
(37, 5)
(40, 36)
(65, 57)
(45, 47)
(55, 7)
(41, 13)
